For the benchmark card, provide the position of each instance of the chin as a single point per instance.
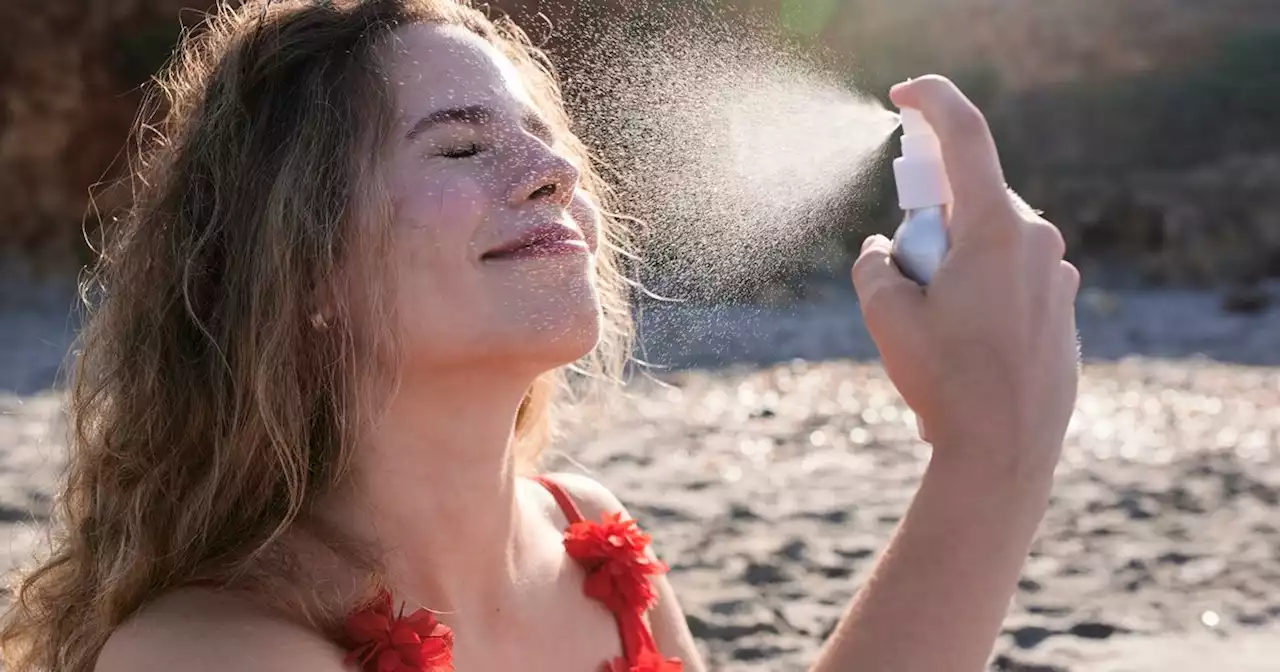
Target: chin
(537, 325)
(559, 342)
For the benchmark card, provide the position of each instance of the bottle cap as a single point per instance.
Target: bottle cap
(919, 173)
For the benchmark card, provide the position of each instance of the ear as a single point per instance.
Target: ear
(321, 315)
(320, 320)
(322, 307)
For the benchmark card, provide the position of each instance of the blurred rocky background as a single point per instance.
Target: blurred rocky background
(1149, 130)
(776, 460)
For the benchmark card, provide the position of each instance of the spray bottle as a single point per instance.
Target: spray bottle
(924, 194)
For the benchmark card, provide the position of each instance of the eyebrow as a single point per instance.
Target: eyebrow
(476, 115)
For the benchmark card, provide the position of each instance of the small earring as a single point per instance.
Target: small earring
(318, 321)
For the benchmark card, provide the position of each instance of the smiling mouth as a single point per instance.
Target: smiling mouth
(541, 249)
(551, 243)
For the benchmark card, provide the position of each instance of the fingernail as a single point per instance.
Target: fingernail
(873, 239)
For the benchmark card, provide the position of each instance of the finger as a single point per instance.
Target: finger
(1029, 213)
(1045, 239)
(1070, 288)
(921, 431)
(1070, 281)
(891, 302)
(968, 148)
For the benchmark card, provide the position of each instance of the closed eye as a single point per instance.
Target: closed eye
(461, 152)
(480, 115)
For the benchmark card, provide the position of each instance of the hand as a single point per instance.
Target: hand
(986, 355)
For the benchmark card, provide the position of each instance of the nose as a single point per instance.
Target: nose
(552, 180)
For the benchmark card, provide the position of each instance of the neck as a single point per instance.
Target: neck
(434, 489)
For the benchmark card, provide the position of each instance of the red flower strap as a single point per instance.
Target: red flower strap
(383, 642)
(613, 554)
(648, 661)
(642, 653)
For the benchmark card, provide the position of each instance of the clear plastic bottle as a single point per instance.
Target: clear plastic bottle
(924, 194)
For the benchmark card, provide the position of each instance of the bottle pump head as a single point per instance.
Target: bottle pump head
(919, 173)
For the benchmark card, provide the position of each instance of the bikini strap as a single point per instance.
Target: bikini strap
(570, 507)
(637, 638)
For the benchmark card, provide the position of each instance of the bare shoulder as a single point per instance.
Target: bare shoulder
(590, 495)
(205, 631)
(670, 627)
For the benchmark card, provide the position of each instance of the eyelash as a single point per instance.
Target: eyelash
(461, 153)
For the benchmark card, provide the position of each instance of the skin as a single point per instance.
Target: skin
(484, 547)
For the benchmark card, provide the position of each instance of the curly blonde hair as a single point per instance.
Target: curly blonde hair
(207, 414)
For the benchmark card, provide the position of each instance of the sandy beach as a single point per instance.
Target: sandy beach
(772, 458)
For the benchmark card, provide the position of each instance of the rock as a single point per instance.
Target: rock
(836, 516)
(857, 553)
(728, 632)
(1252, 619)
(1134, 575)
(1027, 637)
(1136, 506)
(1048, 609)
(810, 619)
(1095, 630)
(1196, 224)
(731, 619)
(794, 550)
(660, 512)
(1185, 500)
(758, 574)
(1004, 663)
(1249, 299)
(730, 606)
(746, 653)
(1202, 571)
(835, 571)
(71, 97)
(742, 512)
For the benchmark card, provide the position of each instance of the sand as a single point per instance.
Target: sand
(771, 485)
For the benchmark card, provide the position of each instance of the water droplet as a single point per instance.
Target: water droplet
(740, 154)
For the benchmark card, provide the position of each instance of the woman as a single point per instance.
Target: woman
(307, 408)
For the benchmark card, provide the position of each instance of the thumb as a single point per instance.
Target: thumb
(892, 304)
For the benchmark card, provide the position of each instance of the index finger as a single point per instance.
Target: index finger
(968, 148)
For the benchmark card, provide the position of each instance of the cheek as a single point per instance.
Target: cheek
(440, 216)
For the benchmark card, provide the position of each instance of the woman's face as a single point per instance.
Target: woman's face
(493, 241)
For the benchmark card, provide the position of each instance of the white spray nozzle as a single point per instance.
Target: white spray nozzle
(914, 123)
(920, 174)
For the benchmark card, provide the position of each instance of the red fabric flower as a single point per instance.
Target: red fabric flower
(382, 642)
(647, 661)
(613, 554)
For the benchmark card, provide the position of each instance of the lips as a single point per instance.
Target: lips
(548, 239)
